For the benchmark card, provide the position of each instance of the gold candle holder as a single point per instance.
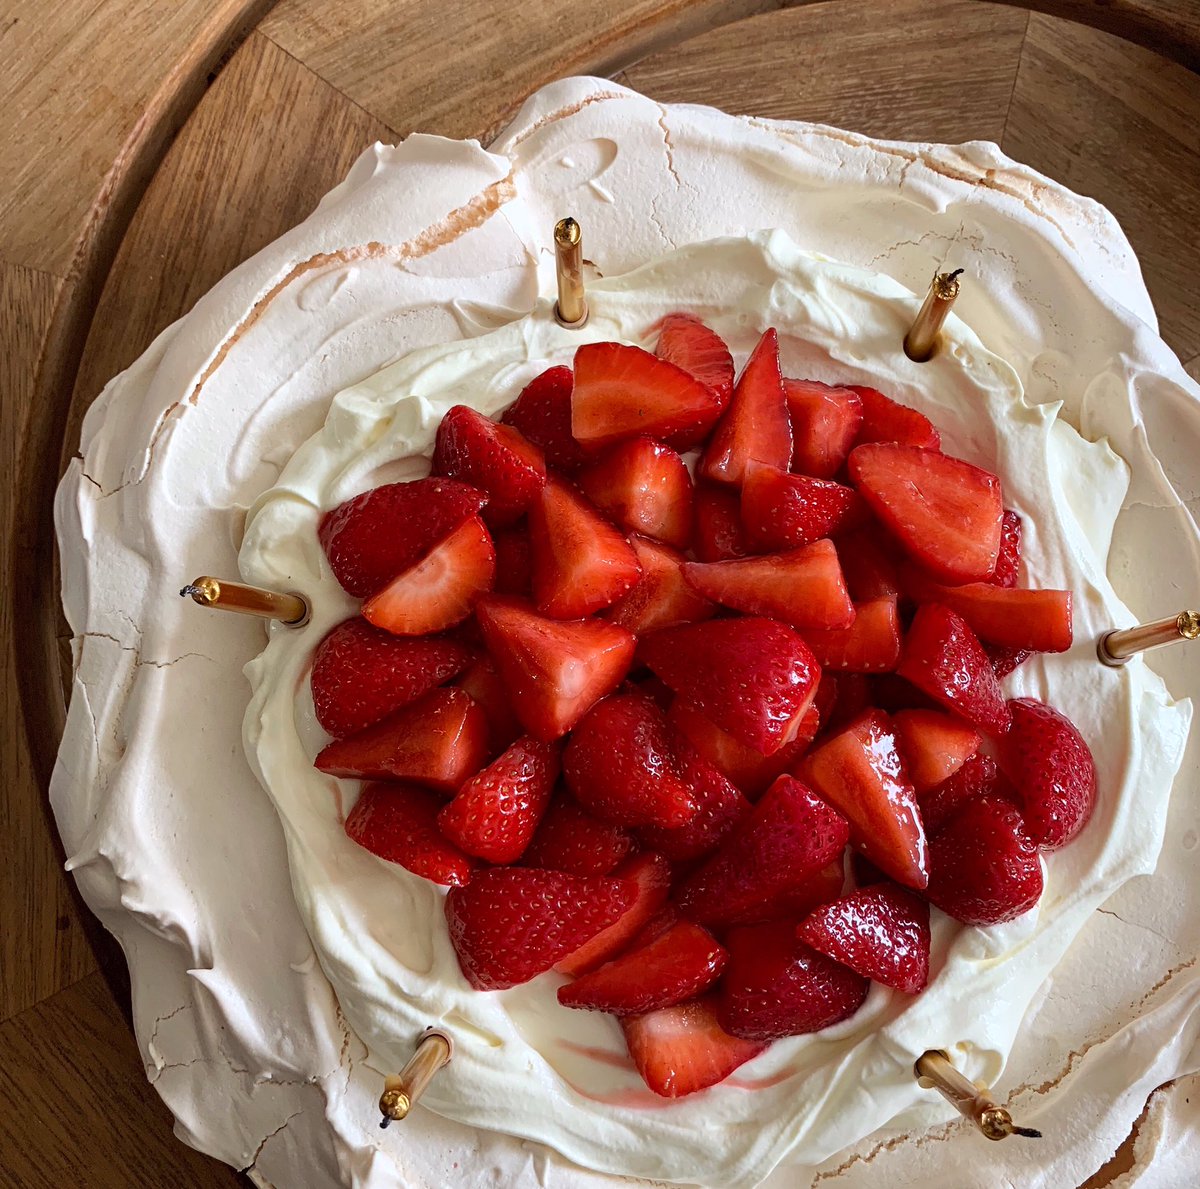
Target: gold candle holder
(571, 309)
(934, 1072)
(402, 1091)
(291, 609)
(922, 339)
(1118, 647)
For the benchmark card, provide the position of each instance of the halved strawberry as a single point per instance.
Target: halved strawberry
(382, 532)
(887, 420)
(439, 590)
(882, 932)
(933, 746)
(514, 563)
(361, 674)
(571, 839)
(398, 822)
(754, 678)
(859, 773)
(978, 775)
(755, 427)
(803, 587)
(1008, 563)
(782, 511)
(644, 487)
(510, 924)
(622, 392)
(437, 741)
(870, 563)
(945, 512)
(662, 599)
(483, 682)
(542, 413)
(495, 458)
(686, 342)
(580, 562)
(871, 644)
(825, 422)
(555, 670)
(718, 533)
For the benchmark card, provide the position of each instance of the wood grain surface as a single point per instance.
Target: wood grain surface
(111, 226)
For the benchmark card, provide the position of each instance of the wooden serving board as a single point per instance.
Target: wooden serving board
(112, 226)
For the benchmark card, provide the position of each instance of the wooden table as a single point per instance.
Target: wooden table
(151, 145)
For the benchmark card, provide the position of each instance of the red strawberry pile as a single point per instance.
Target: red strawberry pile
(633, 712)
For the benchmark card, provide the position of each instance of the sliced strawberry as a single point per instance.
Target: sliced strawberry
(977, 776)
(571, 839)
(718, 533)
(438, 741)
(1052, 767)
(942, 657)
(510, 924)
(483, 682)
(882, 932)
(825, 422)
(1005, 660)
(686, 342)
(859, 773)
(398, 822)
(644, 487)
(514, 563)
(945, 512)
(775, 985)
(680, 1050)
(754, 678)
(886, 420)
(621, 766)
(782, 511)
(755, 427)
(787, 837)
(871, 644)
(375, 536)
(819, 888)
(580, 562)
(622, 392)
(495, 458)
(870, 564)
(933, 746)
(983, 866)
(542, 413)
(439, 590)
(361, 674)
(1008, 563)
(662, 599)
(555, 670)
(803, 587)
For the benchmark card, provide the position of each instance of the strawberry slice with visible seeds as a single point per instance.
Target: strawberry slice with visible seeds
(542, 414)
(943, 658)
(571, 839)
(933, 746)
(825, 423)
(1008, 563)
(398, 822)
(882, 932)
(782, 511)
(870, 564)
(978, 775)
(718, 534)
(622, 392)
(644, 487)
(662, 599)
(756, 426)
(437, 741)
(383, 532)
(482, 681)
(509, 924)
(441, 588)
(555, 670)
(945, 512)
(687, 343)
(887, 420)
(494, 457)
(681, 1050)
(1005, 660)
(514, 562)
(871, 644)
(859, 773)
(361, 674)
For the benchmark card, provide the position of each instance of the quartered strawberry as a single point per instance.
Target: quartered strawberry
(571, 839)
(580, 562)
(718, 533)
(677, 966)
(825, 423)
(977, 776)
(786, 838)
(871, 644)
(622, 392)
(945, 512)
(933, 746)
(494, 814)
(882, 932)
(510, 924)
(493, 457)
(621, 766)
(514, 563)
(870, 563)
(803, 587)
(439, 590)
(681, 1050)
(942, 657)
(860, 774)
(1008, 564)
(542, 413)
(375, 536)
(887, 420)
(398, 822)
(756, 426)
(1052, 767)
(662, 599)
(644, 487)
(482, 681)
(754, 678)
(775, 985)
(1005, 660)
(555, 670)
(782, 511)
(437, 741)
(983, 866)
(361, 674)
(686, 342)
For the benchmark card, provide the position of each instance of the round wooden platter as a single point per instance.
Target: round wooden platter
(179, 136)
